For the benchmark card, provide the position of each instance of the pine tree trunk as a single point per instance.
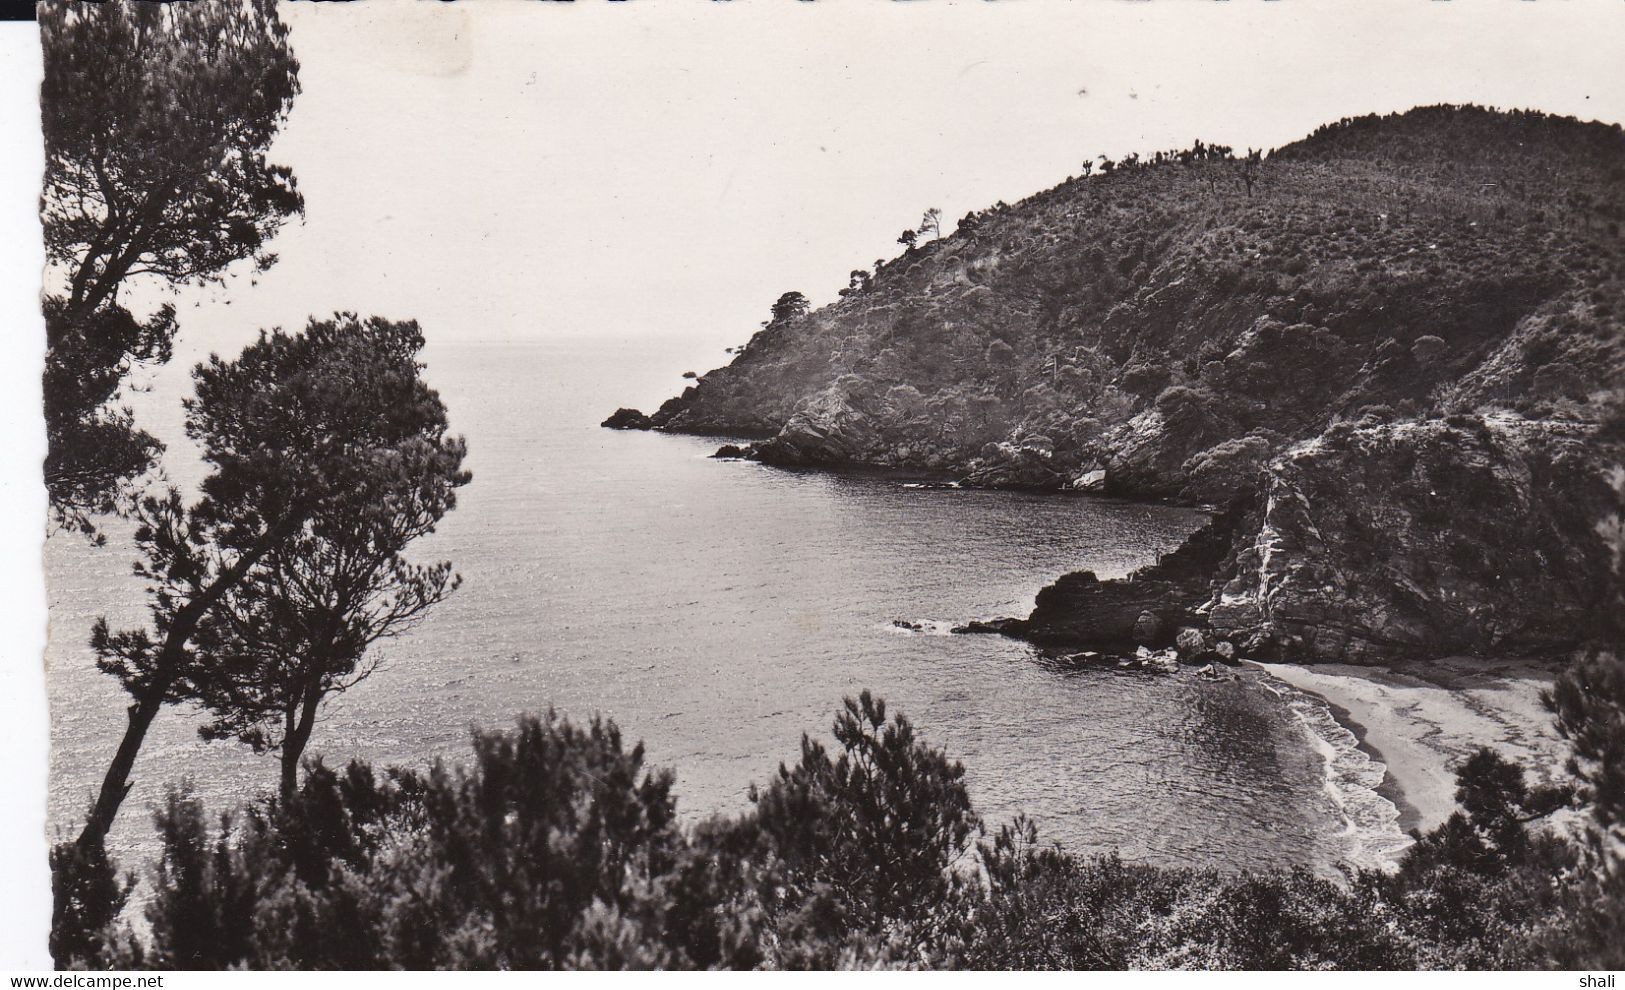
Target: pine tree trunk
(116, 783)
(150, 699)
(290, 774)
(294, 743)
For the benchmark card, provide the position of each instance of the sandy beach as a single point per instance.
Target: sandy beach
(1421, 720)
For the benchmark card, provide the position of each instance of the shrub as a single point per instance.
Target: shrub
(1427, 349)
(862, 846)
(557, 848)
(1144, 379)
(87, 896)
(1048, 910)
(1231, 468)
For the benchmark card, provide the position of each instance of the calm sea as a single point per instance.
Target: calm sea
(718, 610)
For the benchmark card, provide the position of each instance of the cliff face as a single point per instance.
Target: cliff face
(1373, 543)
(1387, 345)
(1473, 535)
(1175, 327)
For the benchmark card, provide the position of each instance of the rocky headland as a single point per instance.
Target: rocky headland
(1392, 352)
(1374, 543)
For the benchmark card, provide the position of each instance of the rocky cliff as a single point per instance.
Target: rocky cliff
(1390, 342)
(1376, 542)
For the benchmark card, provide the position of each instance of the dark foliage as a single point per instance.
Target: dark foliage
(1048, 910)
(94, 447)
(87, 895)
(788, 308)
(864, 848)
(156, 120)
(298, 627)
(1589, 702)
(296, 429)
(557, 848)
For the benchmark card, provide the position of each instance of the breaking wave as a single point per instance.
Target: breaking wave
(1352, 778)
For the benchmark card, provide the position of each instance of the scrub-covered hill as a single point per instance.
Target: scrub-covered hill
(1190, 324)
(1164, 323)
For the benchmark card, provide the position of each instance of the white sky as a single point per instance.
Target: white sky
(512, 169)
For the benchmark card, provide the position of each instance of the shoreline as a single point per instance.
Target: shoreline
(1389, 790)
(944, 476)
(1419, 721)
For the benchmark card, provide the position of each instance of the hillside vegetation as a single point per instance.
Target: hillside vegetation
(1179, 319)
(558, 847)
(1399, 338)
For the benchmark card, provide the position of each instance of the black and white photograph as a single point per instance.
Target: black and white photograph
(816, 485)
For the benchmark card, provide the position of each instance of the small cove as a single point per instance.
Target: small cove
(717, 610)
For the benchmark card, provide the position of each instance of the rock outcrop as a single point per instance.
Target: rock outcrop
(1147, 608)
(830, 429)
(628, 419)
(1030, 463)
(1472, 535)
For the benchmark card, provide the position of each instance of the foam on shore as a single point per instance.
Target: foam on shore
(1353, 781)
(1420, 721)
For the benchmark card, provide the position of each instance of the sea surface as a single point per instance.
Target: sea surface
(718, 610)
